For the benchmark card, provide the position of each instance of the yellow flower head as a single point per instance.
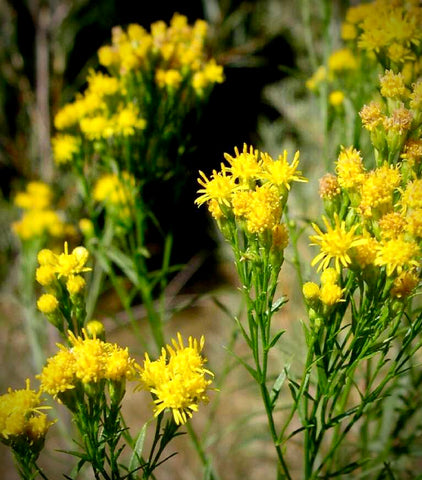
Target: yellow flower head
(364, 254)
(342, 59)
(331, 294)
(36, 196)
(47, 303)
(329, 187)
(177, 381)
(399, 121)
(280, 237)
(244, 166)
(334, 244)
(219, 187)
(264, 209)
(329, 275)
(115, 190)
(20, 416)
(349, 168)
(392, 225)
(45, 275)
(416, 96)
(404, 285)
(371, 115)
(412, 195)
(279, 172)
(75, 284)
(310, 291)
(414, 223)
(397, 254)
(65, 147)
(392, 85)
(336, 98)
(127, 121)
(377, 190)
(317, 78)
(58, 375)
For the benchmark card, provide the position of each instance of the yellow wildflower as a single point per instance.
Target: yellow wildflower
(58, 375)
(335, 244)
(392, 225)
(414, 223)
(392, 85)
(280, 237)
(336, 98)
(279, 172)
(331, 294)
(412, 195)
(219, 187)
(244, 166)
(178, 382)
(329, 187)
(404, 285)
(364, 254)
(329, 275)
(342, 59)
(65, 147)
(311, 291)
(396, 254)
(264, 210)
(36, 196)
(47, 303)
(371, 115)
(349, 168)
(75, 284)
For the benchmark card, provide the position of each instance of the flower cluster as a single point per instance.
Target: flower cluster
(323, 297)
(39, 219)
(87, 362)
(152, 80)
(389, 30)
(250, 193)
(60, 275)
(177, 380)
(22, 424)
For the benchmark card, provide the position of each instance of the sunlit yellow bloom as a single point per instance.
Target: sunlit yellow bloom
(75, 284)
(392, 85)
(36, 223)
(397, 254)
(336, 98)
(65, 147)
(279, 172)
(414, 223)
(377, 190)
(331, 294)
(101, 84)
(127, 121)
(348, 31)
(349, 168)
(310, 291)
(364, 255)
(399, 53)
(342, 59)
(108, 56)
(334, 244)
(86, 226)
(219, 187)
(95, 128)
(404, 285)
(36, 196)
(47, 303)
(329, 275)
(264, 210)
(412, 195)
(67, 116)
(371, 115)
(45, 275)
(416, 96)
(245, 165)
(20, 417)
(115, 190)
(59, 374)
(399, 121)
(168, 78)
(178, 379)
(95, 328)
(392, 225)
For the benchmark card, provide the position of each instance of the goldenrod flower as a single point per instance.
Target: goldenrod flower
(310, 291)
(377, 190)
(264, 209)
(36, 196)
(336, 98)
(349, 168)
(392, 85)
(329, 187)
(335, 244)
(364, 254)
(412, 195)
(404, 284)
(21, 421)
(396, 254)
(219, 187)
(331, 294)
(45, 275)
(245, 165)
(342, 59)
(371, 115)
(414, 223)
(68, 264)
(329, 275)
(58, 375)
(399, 121)
(75, 284)
(280, 237)
(392, 225)
(65, 147)
(177, 379)
(47, 303)
(115, 190)
(279, 172)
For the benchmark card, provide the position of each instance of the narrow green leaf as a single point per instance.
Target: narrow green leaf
(275, 307)
(122, 261)
(275, 391)
(250, 369)
(136, 457)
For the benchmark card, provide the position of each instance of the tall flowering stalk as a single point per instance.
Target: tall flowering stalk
(247, 198)
(124, 138)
